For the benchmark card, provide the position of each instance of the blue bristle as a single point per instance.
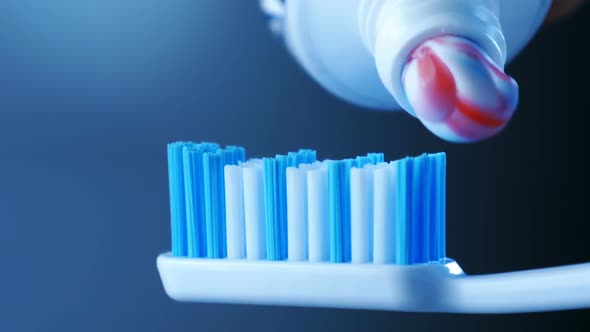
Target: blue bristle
(282, 162)
(195, 196)
(295, 158)
(376, 158)
(275, 193)
(440, 205)
(192, 160)
(361, 161)
(402, 215)
(211, 165)
(308, 156)
(237, 154)
(303, 156)
(345, 167)
(177, 200)
(420, 235)
(370, 158)
(418, 240)
(339, 191)
(335, 210)
(214, 197)
(271, 207)
(430, 203)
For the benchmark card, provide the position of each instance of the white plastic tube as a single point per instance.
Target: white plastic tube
(378, 35)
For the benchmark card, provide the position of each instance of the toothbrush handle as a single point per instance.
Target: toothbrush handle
(556, 288)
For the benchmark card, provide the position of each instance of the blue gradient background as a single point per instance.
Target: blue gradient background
(92, 90)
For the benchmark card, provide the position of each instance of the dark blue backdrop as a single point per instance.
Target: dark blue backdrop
(92, 90)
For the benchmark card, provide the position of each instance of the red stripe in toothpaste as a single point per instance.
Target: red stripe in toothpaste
(437, 98)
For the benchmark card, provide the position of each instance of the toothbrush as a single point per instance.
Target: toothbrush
(355, 233)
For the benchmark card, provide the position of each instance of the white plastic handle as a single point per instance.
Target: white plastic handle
(418, 288)
(555, 288)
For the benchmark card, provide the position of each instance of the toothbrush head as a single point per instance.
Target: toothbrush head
(457, 91)
(292, 207)
(290, 229)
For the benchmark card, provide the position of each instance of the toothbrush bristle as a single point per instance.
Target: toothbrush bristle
(292, 207)
(275, 192)
(339, 191)
(192, 156)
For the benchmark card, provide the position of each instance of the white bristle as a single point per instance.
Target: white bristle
(254, 213)
(296, 214)
(361, 214)
(384, 214)
(317, 211)
(234, 212)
